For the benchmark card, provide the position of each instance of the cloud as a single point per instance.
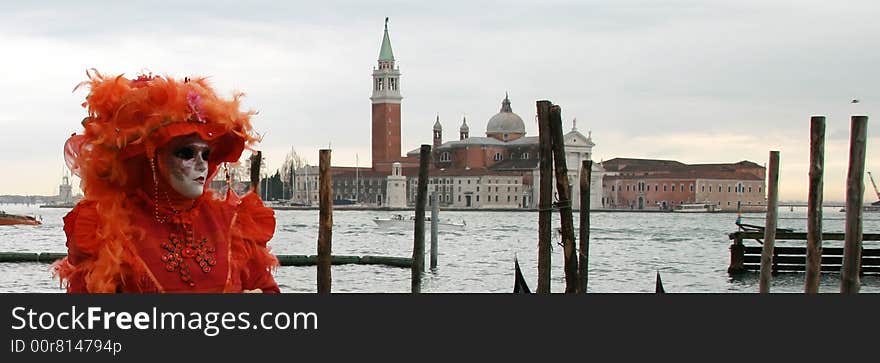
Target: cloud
(741, 77)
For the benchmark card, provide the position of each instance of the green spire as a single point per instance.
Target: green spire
(386, 54)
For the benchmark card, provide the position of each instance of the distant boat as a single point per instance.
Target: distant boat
(875, 207)
(58, 205)
(344, 201)
(399, 221)
(7, 219)
(696, 208)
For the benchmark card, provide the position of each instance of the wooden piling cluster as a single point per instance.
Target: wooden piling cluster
(552, 158)
(324, 259)
(852, 259)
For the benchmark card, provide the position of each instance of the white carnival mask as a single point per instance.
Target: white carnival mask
(186, 165)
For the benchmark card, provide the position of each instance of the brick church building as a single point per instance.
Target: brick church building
(495, 171)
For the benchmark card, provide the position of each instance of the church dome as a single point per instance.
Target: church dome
(505, 122)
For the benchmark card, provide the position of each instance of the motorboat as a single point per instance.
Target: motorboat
(400, 221)
(11, 219)
(696, 208)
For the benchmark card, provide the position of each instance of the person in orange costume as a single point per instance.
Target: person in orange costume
(148, 223)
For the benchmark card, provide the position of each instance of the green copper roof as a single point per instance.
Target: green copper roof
(386, 54)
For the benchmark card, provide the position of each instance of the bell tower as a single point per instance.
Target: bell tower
(386, 108)
(438, 132)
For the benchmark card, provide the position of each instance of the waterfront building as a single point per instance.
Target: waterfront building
(639, 184)
(465, 170)
(305, 185)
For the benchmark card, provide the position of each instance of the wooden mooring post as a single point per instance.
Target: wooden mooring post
(325, 225)
(814, 204)
(584, 234)
(564, 195)
(770, 223)
(855, 194)
(435, 226)
(256, 159)
(419, 233)
(545, 195)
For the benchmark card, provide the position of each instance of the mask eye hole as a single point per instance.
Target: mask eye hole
(185, 153)
(205, 154)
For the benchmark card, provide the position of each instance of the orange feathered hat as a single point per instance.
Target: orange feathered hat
(130, 118)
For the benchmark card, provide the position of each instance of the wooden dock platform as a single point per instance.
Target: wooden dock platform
(789, 258)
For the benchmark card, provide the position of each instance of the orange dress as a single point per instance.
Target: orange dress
(217, 246)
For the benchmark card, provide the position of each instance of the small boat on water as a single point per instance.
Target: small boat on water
(10, 219)
(399, 221)
(867, 208)
(696, 208)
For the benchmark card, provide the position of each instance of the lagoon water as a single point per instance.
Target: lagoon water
(691, 252)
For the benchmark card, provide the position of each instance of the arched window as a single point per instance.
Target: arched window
(498, 157)
(444, 156)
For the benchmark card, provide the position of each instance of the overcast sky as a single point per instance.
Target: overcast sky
(694, 81)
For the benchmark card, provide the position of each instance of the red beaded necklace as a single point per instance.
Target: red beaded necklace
(181, 247)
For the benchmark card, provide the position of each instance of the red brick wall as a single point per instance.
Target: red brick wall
(653, 193)
(386, 132)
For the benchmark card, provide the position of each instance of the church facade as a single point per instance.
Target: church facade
(495, 171)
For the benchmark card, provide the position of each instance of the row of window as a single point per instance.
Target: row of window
(497, 189)
(302, 185)
(364, 191)
(385, 65)
(446, 189)
(381, 83)
(642, 187)
(447, 156)
(346, 182)
(515, 198)
(648, 202)
(488, 181)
